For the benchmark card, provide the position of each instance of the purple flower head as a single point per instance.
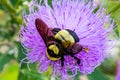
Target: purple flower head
(78, 16)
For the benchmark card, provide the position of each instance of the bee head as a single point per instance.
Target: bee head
(53, 52)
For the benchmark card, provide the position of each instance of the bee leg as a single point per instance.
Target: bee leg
(68, 52)
(78, 60)
(62, 60)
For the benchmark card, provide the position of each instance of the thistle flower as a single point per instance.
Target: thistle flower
(78, 16)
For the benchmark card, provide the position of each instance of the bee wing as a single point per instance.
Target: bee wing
(44, 31)
(76, 48)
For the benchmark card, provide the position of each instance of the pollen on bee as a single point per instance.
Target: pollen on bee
(86, 49)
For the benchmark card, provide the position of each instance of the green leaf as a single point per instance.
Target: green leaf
(113, 8)
(4, 59)
(109, 66)
(10, 72)
(77, 76)
(33, 74)
(21, 51)
(97, 75)
(21, 54)
(26, 75)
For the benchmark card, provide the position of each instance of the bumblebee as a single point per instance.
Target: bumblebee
(68, 40)
(59, 42)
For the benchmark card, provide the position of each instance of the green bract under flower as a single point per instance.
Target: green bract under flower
(75, 15)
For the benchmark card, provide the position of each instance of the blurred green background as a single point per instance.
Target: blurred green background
(11, 51)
